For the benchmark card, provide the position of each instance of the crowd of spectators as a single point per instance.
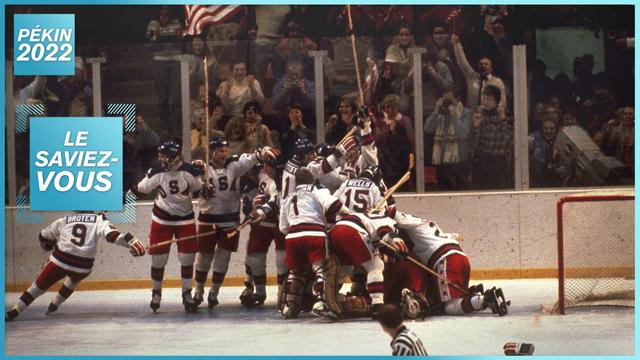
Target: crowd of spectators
(262, 89)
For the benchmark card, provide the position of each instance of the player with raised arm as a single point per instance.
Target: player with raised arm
(174, 182)
(303, 217)
(74, 240)
(263, 232)
(219, 211)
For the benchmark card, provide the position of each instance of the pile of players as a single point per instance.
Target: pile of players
(329, 213)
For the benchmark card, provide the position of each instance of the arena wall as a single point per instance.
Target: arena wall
(506, 235)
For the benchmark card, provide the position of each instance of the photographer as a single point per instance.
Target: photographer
(436, 76)
(294, 88)
(450, 123)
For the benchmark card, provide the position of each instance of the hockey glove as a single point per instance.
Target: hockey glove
(344, 147)
(513, 348)
(208, 191)
(199, 167)
(46, 244)
(267, 152)
(257, 215)
(259, 200)
(136, 248)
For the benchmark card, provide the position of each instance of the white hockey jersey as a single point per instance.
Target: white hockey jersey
(304, 212)
(431, 245)
(372, 227)
(76, 239)
(174, 189)
(359, 195)
(267, 187)
(368, 156)
(223, 209)
(323, 170)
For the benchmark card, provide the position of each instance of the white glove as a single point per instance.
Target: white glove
(267, 153)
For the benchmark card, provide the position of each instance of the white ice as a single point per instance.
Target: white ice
(121, 323)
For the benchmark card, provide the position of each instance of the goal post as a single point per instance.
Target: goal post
(595, 250)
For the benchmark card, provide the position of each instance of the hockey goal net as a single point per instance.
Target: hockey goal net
(595, 250)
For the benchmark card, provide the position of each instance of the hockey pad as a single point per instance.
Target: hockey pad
(513, 348)
(294, 291)
(354, 306)
(331, 272)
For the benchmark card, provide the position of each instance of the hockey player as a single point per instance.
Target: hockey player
(442, 253)
(363, 193)
(219, 211)
(174, 182)
(262, 233)
(303, 153)
(303, 217)
(366, 154)
(355, 239)
(74, 240)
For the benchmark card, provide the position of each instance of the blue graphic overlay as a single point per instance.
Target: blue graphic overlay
(44, 44)
(76, 163)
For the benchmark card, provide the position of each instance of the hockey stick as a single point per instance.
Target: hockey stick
(233, 233)
(355, 55)
(395, 187)
(180, 239)
(206, 119)
(425, 268)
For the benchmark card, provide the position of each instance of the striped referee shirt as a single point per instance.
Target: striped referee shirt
(407, 343)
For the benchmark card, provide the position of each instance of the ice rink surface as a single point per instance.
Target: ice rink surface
(121, 323)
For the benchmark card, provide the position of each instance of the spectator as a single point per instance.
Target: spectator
(238, 90)
(340, 123)
(296, 130)
(405, 342)
(535, 120)
(294, 47)
(544, 165)
(619, 137)
(235, 133)
(541, 86)
(398, 52)
(569, 117)
(164, 35)
(492, 138)
(451, 124)
(147, 142)
(199, 142)
(504, 44)
(439, 42)
(436, 76)
(478, 80)
(388, 83)
(256, 134)
(269, 20)
(395, 139)
(583, 84)
(196, 67)
(294, 88)
(598, 109)
(245, 46)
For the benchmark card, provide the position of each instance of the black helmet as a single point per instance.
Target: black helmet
(217, 143)
(373, 173)
(302, 147)
(170, 149)
(325, 149)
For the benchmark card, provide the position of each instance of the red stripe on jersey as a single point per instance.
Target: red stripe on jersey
(112, 236)
(367, 139)
(375, 287)
(353, 219)
(219, 218)
(383, 230)
(442, 250)
(326, 167)
(72, 260)
(305, 227)
(334, 208)
(163, 215)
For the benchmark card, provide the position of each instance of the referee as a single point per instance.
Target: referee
(405, 342)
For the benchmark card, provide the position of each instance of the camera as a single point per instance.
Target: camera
(444, 108)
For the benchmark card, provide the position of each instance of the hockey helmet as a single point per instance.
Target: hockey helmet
(373, 173)
(302, 147)
(217, 143)
(170, 150)
(325, 150)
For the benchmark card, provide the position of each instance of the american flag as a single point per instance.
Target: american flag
(455, 12)
(197, 16)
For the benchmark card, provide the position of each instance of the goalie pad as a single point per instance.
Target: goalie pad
(354, 306)
(294, 290)
(331, 273)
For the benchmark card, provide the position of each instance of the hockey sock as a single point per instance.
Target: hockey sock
(156, 278)
(256, 264)
(318, 286)
(27, 297)
(375, 279)
(186, 269)
(65, 291)
(220, 266)
(203, 264)
(281, 267)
